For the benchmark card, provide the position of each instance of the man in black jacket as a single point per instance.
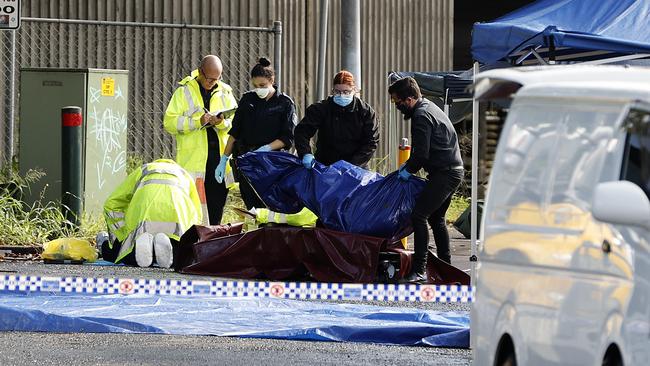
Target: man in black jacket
(347, 127)
(434, 149)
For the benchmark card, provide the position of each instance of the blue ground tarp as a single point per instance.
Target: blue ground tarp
(343, 196)
(619, 26)
(243, 317)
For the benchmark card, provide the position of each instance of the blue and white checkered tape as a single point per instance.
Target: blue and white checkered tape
(238, 288)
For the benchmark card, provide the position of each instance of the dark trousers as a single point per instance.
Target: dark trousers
(431, 207)
(215, 193)
(248, 194)
(110, 254)
(215, 197)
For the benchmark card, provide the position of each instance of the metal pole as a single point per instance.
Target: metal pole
(12, 95)
(446, 103)
(351, 38)
(322, 47)
(72, 164)
(277, 49)
(473, 213)
(551, 50)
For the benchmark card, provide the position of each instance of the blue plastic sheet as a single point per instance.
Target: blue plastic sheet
(343, 196)
(243, 317)
(102, 263)
(616, 26)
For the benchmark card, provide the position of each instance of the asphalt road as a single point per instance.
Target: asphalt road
(22, 348)
(146, 349)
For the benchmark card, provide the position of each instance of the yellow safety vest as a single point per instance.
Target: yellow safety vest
(183, 121)
(159, 197)
(304, 218)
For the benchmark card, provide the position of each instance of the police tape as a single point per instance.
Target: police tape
(237, 288)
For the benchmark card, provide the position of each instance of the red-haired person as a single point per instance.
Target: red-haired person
(347, 127)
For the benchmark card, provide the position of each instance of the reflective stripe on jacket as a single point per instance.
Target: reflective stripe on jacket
(159, 197)
(183, 120)
(304, 218)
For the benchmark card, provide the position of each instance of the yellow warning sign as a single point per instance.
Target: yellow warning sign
(108, 87)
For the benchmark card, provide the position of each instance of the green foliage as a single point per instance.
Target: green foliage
(458, 205)
(133, 162)
(233, 200)
(380, 165)
(35, 224)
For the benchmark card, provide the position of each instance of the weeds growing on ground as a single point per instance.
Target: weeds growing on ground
(133, 162)
(233, 200)
(39, 222)
(458, 205)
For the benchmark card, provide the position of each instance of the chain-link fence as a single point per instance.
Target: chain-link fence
(156, 55)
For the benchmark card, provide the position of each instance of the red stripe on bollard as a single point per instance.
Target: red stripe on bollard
(71, 116)
(71, 119)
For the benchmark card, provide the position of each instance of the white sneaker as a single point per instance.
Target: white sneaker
(144, 250)
(163, 250)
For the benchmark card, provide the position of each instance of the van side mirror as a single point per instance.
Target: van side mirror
(621, 202)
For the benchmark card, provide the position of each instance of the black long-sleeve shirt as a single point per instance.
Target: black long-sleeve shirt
(347, 133)
(434, 140)
(258, 122)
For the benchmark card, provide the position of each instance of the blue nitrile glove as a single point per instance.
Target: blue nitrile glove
(308, 161)
(220, 172)
(403, 174)
(264, 148)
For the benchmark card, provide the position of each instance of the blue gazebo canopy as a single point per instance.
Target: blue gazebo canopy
(566, 27)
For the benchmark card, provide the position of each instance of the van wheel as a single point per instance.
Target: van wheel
(505, 352)
(612, 357)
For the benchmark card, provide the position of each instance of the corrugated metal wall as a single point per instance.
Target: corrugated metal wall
(404, 35)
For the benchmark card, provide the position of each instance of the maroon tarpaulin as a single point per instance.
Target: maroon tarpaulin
(283, 252)
(183, 253)
(290, 253)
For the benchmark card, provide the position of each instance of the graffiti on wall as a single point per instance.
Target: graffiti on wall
(107, 130)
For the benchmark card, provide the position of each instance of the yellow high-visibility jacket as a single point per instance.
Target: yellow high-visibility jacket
(304, 218)
(183, 121)
(159, 197)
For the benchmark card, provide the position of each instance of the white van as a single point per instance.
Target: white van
(563, 276)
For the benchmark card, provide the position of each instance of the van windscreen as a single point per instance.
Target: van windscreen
(550, 153)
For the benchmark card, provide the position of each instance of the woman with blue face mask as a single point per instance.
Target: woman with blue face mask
(264, 121)
(347, 127)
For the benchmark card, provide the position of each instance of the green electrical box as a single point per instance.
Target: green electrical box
(103, 97)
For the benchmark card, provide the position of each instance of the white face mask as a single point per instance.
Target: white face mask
(263, 92)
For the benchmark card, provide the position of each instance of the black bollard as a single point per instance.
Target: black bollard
(72, 164)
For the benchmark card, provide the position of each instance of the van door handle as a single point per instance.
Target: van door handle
(606, 246)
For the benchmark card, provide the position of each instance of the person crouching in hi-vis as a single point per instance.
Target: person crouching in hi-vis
(157, 202)
(199, 116)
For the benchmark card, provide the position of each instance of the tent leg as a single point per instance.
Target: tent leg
(474, 205)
